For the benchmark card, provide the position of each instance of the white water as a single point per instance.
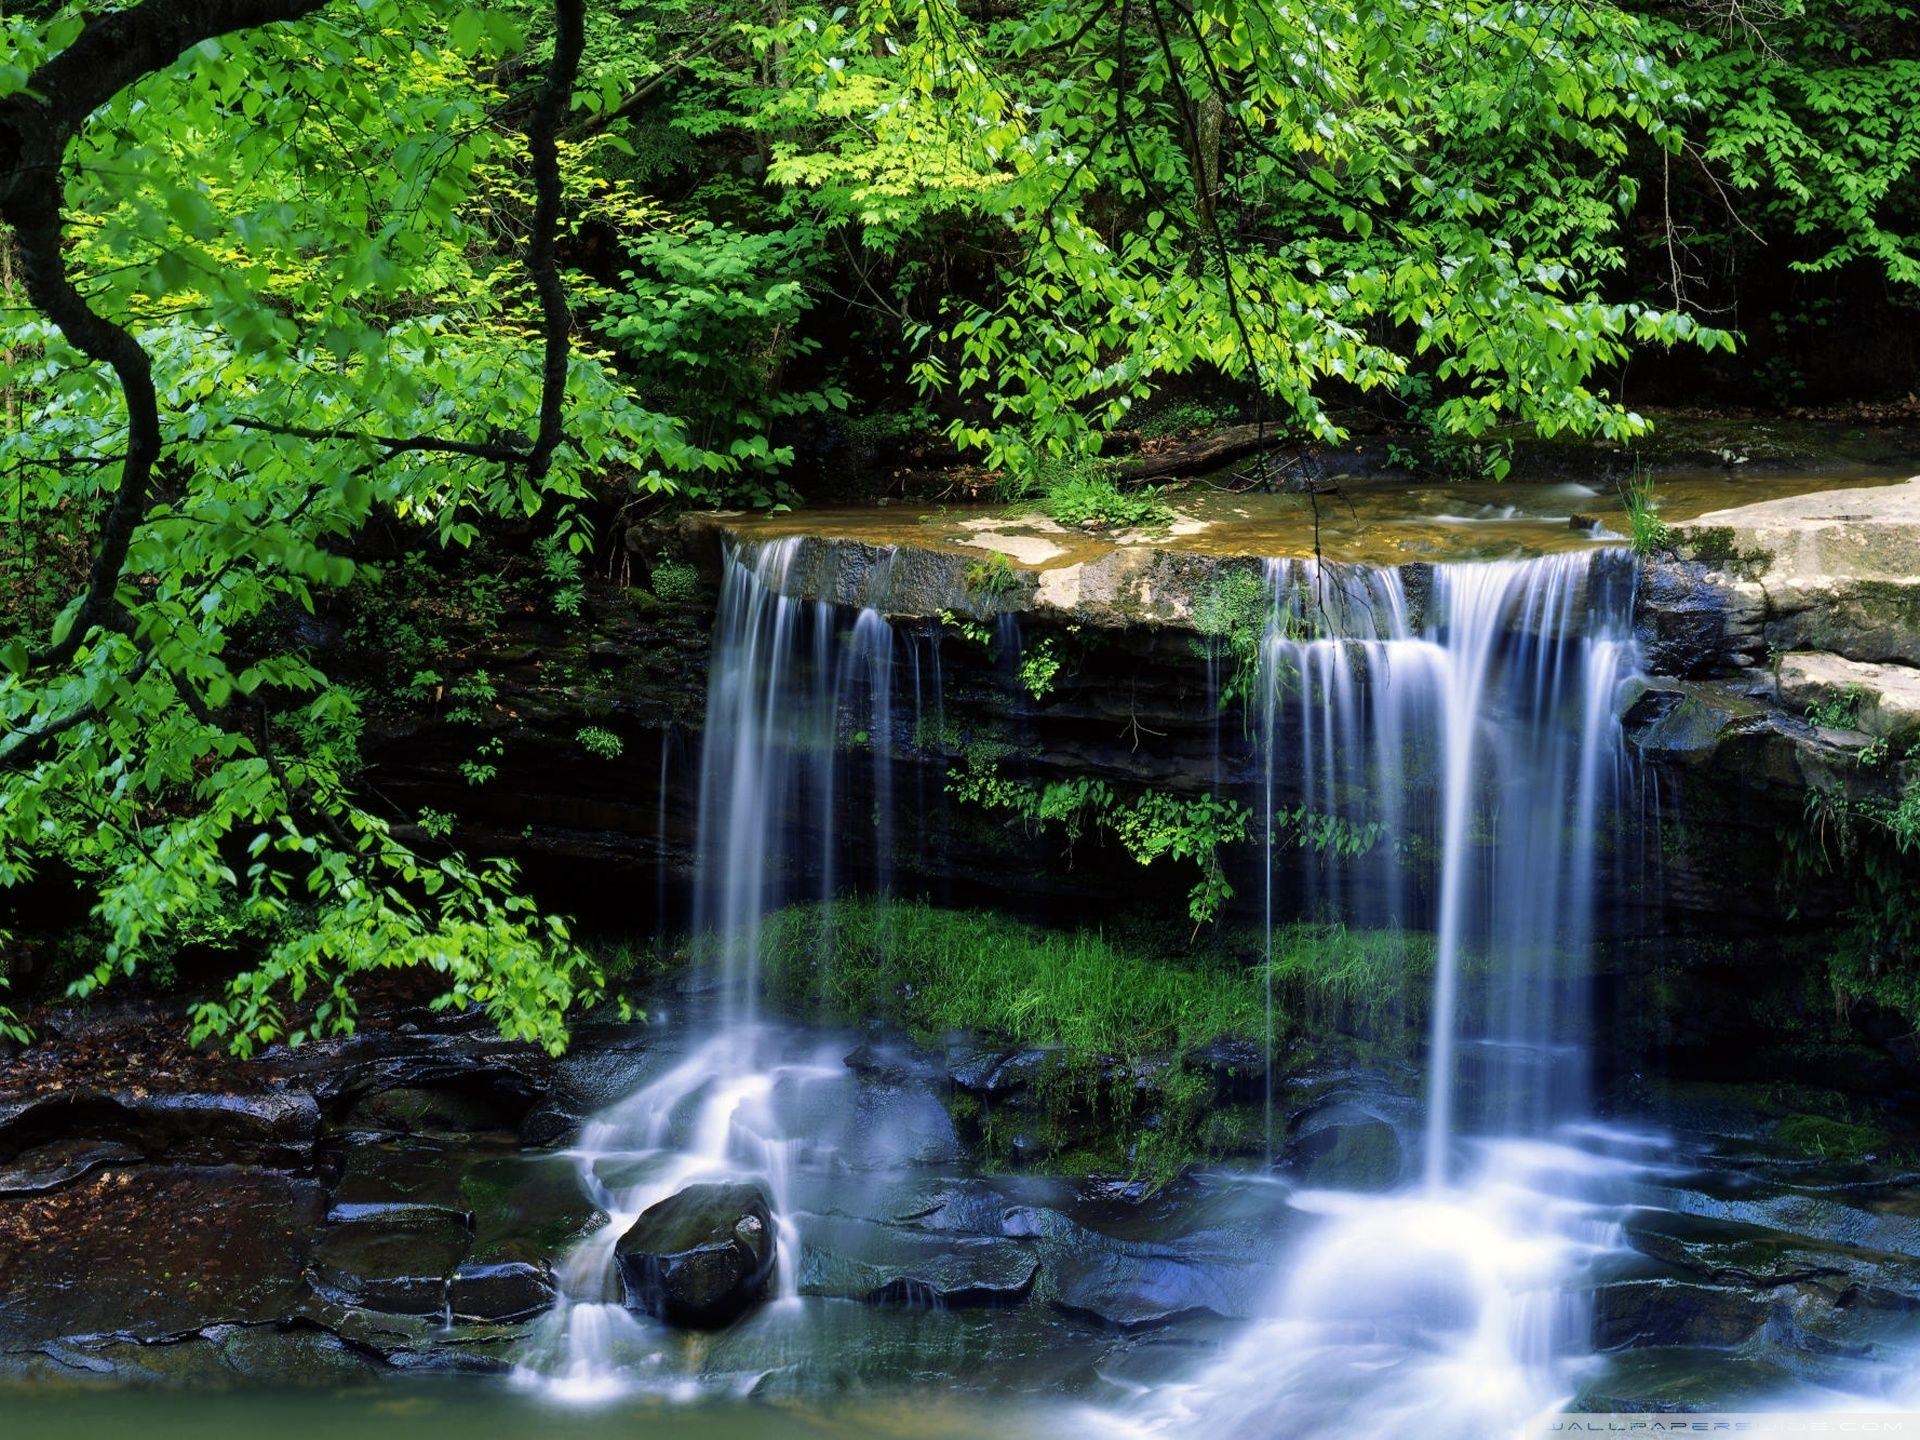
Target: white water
(1472, 728)
(747, 1101)
(1453, 1305)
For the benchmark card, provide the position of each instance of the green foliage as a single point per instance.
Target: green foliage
(1373, 984)
(1435, 448)
(675, 583)
(1874, 846)
(1828, 1139)
(563, 573)
(992, 578)
(1079, 496)
(1231, 616)
(1326, 834)
(971, 631)
(1148, 826)
(312, 227)
(709, 317)
(1837, 709)
(1647, 532)
(1178, 202)
(1805, 113)
(1164, 422)
(1039, 668)
(603, 744)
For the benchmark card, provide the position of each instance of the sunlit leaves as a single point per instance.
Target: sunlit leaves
(1300, 195)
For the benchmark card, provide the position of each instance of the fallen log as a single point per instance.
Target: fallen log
(1200, 454)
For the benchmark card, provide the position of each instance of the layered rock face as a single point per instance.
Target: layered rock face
(1780, 642)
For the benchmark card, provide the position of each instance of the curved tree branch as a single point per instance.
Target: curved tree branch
(112, 51)
(119, 48)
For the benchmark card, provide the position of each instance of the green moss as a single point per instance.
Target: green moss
(1826, 1139)
(1714, 546)
(933, 971)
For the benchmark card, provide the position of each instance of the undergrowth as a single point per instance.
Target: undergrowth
(933, 971)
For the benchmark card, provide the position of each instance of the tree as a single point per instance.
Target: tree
(1356, 195)
(288, 234)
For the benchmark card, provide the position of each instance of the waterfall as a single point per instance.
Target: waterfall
(1445, 761)
(792, 684)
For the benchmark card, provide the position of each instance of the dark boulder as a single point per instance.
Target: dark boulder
(700, 1258)
(512, 1290)
(1637, 1313)
(1346, 1146)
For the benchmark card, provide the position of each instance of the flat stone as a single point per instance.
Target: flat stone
(1668, 1312)
(1836, 570)
(1679, 1379)
(151, 1253)
(894, 1264)
(396, 1258)
(48, 1167)
(512, 1290)
(1884, 699)
(1198, 1254)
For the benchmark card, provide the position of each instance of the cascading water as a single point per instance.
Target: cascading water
(1439, 757)
(1448, 762)
(745, 1100)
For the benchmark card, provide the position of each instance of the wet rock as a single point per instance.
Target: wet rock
(270, 1127)
(48, 1167)
(150, 1253)
(1237, 1067)
(606, 1065)
(1344, 1146)
(412, 1108)
(299, 1355)
(900, 1125)
(513, 1290)
(997, 1074)
(524, 1207)
(1668, 1312)
(1200, 1253)
(892, 1064)
(1689, 626)
(1729, 1252)
(1673, 1380)
(345, 1073)
(700, 1258)
(394, 1258)
(897, 1265)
